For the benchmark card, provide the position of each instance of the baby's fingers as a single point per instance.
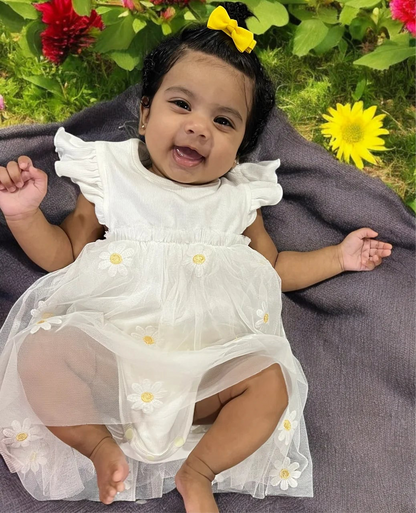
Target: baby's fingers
(11, 177)
(24, 162)
(379, 248)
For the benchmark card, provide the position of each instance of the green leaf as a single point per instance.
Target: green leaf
(82, 7)
(24, 8)
(109, 15)
(393, 27)
(268, 13)
(385, 56)
(138, 25)
(189, 16)
(49, 84)
(308, 34)
(348, 13)
(288, 2)
(166, 29)
(142, 43)
(116, 37)
(302, 12)
(10, 19)
(360, 4)
(342, 47)
(327, 15)
(331, 40)
(359, 90)
(147, 4)
(412, 204)
(359, 26)
(31, 43)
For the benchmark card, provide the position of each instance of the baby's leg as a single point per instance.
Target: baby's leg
(57, 371)
(246, 415)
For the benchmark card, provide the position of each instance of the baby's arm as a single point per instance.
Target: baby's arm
(22, 188)
(298, 270)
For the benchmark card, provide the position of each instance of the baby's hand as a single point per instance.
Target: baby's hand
(22, 188)
(359, 252)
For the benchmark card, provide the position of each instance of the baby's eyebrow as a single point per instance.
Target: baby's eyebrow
(189, 93)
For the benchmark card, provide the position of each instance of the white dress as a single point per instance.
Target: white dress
(172, 307)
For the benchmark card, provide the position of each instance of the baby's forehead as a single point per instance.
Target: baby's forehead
(209, 74)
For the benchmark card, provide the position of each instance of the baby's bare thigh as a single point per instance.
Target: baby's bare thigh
(271, 378)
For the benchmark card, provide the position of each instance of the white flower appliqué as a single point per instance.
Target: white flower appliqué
(147, 335)
(287, 427)
(34, 460)
(46, 322)
(198, 260)
(117, 259)
(263, 314)
(147, 396)
(285, 474)
(21, 435)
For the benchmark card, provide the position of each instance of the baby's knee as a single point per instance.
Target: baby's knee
(274, 385)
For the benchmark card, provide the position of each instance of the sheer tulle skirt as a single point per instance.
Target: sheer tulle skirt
(131, 335)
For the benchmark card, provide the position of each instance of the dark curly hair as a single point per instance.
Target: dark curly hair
(215, 42)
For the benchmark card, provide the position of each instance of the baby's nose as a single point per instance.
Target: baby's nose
(197, 126)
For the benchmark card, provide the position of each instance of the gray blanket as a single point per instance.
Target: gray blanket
(353, 334)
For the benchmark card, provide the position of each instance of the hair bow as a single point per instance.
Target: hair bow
(243, 38)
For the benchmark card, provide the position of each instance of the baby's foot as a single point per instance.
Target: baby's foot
(196, 490)
(111, 467)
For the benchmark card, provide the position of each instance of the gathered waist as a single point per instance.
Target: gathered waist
(172, 235)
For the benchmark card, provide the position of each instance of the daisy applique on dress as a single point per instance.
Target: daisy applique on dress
(285, 474)
(117, 259)
(21, 435)
(43, 319)
(287, 427)
(198, 261)
(148, 335)
(147, 396)
(33, 461)
(263, 315)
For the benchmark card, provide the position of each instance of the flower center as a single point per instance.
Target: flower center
(129, 434)
(116, 259)
(199, 259)
(352, 133)
(147, 397)
(21, 437)
(287, 425)
(284, 474)
(148, 340)
(266, 317)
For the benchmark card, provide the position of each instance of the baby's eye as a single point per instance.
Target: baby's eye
(224, 122)
(181, 103)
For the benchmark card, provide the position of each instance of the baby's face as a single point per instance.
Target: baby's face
(197, 119)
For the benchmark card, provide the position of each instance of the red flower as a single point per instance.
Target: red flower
(67, 31)
(405, 11)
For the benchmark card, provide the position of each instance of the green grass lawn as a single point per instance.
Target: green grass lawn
(36, 91)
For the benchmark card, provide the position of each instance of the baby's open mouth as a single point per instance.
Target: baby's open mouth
(187, 157)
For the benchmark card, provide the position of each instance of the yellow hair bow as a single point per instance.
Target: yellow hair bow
(243, 38)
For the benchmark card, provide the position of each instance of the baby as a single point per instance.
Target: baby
(152, 355)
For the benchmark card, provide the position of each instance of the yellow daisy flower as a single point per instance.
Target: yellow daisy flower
(354, 131)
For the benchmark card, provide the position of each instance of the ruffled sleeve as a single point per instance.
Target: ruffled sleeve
(262, 183)
(78, 161)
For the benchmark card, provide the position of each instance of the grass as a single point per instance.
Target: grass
(306, 87)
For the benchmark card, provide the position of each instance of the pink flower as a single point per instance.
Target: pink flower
(168, 13)
(405, 11)
(2, 106)
(129, 4)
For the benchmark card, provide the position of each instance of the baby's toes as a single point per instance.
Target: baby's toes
(107, 494)
(119, 487)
